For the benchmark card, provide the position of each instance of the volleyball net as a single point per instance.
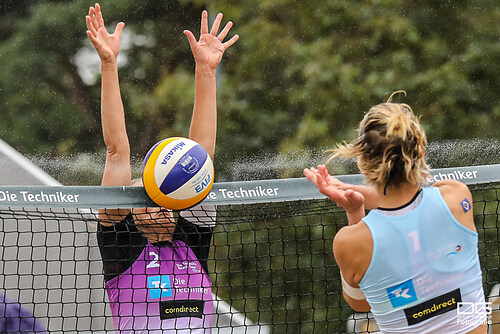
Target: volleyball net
(270, 258)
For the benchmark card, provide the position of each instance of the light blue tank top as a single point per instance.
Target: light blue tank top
(424, 264)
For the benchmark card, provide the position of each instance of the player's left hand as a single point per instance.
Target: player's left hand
(107, 45)
(210, 48)
(331, 187)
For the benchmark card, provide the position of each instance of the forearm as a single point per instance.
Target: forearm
(354, 216)
(204, 121)
(112, 113)
(117, 169)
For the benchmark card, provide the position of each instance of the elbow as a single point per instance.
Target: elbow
(118, 154)
(359, 307)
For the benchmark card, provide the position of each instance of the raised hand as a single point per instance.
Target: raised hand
(106, 44)
(329, 186)
(210, 48)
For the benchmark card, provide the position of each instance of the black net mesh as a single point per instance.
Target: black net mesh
(271, 266)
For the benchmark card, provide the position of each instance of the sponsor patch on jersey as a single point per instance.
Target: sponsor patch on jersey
(457, 250)
(159, 286)
(192, 265)
(402, 294)
(181, 308)
(433, 307)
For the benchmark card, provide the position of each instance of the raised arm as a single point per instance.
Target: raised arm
(351, 200)
(117, 168)
(207, 52)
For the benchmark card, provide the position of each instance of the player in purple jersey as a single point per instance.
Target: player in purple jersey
(156, 267)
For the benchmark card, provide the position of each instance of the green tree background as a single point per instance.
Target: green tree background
(298, 80)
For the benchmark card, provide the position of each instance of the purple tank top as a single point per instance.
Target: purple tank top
(165, 290)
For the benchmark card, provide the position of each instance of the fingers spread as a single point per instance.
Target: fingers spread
(204, 22)
(119, 29)
(224, 31)
(216, 25)
(190, 37)
(231, 41)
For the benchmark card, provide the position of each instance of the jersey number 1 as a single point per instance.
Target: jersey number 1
(416, 240)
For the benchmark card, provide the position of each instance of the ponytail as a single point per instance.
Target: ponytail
(390, 148)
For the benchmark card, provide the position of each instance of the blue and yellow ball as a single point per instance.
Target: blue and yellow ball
(177, 173)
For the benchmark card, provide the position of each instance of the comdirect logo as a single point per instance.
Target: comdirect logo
(181, 308)
(433, 307)
(159, 286)
(402, 294)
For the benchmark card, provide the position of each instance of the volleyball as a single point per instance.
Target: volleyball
(177, 173)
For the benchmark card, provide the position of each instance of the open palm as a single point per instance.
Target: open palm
(106, 44)
(329, 186)
(210, 47)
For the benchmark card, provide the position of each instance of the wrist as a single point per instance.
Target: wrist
(355, 215)
(355, 210)
(206, 70)
(109, 65)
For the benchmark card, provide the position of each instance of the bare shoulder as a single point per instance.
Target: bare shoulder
(352, 234)
(454, 192)
(447, 187)
(352, 247)
(459, 200)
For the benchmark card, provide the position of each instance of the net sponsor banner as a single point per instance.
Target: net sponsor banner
(223, 193)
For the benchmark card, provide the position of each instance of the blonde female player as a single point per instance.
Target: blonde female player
(413, 260)
(155, 267)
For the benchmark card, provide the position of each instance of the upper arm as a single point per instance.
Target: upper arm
(120, 245)
(117, 172)
(352, 261)
(459, 200)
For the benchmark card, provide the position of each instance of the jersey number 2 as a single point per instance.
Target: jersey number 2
(154, 263)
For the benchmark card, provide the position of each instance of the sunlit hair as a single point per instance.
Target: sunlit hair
(390, 148)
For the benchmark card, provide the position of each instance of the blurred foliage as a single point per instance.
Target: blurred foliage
(300, 78)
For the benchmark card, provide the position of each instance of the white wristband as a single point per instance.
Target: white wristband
(354, 293)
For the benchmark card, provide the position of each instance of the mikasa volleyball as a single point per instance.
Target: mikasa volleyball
(177, 173)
